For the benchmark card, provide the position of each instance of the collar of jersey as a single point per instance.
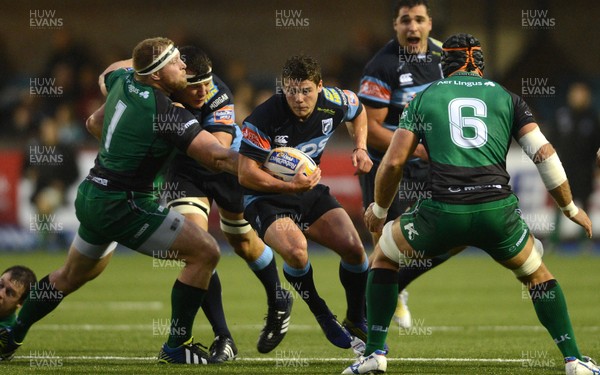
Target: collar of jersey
(472, 74)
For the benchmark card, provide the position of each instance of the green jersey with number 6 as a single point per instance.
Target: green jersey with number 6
(466, 124)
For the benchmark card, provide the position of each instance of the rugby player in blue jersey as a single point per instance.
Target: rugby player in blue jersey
(406, 65)
(286, 214)
(196, 187)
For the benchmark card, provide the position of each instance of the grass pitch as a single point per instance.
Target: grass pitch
(470, 317)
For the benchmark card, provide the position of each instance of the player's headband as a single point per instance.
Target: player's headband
(469, 59)
(199, 78)
(160, 61)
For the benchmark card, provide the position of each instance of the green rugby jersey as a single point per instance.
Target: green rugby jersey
(8, 321)
(466, 124)
(141, 129)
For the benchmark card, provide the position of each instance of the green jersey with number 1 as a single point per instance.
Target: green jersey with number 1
(141, 129)
(466, 124)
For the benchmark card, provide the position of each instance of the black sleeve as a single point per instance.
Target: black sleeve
(522, 113)
(175, 124)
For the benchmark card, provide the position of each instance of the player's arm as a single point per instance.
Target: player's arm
(389, 175)
(224, 138)
(114, 66)
(206, 149)
(378, 136)
(252, 176)
(95, 122)
(545, 158)
(358, 130)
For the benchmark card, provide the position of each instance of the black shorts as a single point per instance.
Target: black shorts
(414, 186)
(223, 188)
(303, 208)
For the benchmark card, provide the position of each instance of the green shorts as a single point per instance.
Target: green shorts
(133, 219)
(434, 227)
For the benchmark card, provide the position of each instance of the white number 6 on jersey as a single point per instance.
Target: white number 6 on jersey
(458, 122)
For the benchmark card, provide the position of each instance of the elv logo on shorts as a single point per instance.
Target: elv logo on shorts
(412, 232)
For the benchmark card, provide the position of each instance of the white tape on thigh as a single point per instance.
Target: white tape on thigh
(235, 226)
(531, 265)
(93, 251)
(388, 245)
(190, 205)
(538, 246)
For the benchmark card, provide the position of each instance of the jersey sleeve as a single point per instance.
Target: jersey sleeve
(221, 120)
(111, 77)
(408, 117)
(256, 142)
(219, 111)
(522, 113)
(175, 124)
(374, 92)
(375, 88)
(354, 106)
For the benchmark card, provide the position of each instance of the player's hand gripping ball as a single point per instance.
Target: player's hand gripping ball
(285, 162)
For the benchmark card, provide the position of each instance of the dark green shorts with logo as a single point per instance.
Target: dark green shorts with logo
(496, 227)
(129, 218)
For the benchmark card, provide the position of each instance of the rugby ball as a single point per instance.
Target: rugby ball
(285, 162)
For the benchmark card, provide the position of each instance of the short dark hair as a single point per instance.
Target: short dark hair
(300, 68)
(409, 4)
(196, 60)
(22, 275)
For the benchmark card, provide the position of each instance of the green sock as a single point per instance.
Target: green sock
(551, 309)
(382, 297)
(185, 302)
(41, 300)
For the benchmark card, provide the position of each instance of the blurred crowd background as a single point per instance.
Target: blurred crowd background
(53, 52)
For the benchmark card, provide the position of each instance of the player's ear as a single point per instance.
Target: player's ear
(320, 86)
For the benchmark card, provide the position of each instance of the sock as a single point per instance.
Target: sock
(409, 273)
(42, 299)
(304, 284)
(213, 307)
(354, 279)
(382, 296)
(551, 308)
(185, 302)
(265, 270)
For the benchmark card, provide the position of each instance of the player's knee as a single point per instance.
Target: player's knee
(356, 255)
(533, 261)
(241, 244)
(67, 280)
(296, 256)
(388, 245)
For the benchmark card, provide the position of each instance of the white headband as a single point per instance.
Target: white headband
(160, 61)
(194, 79)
